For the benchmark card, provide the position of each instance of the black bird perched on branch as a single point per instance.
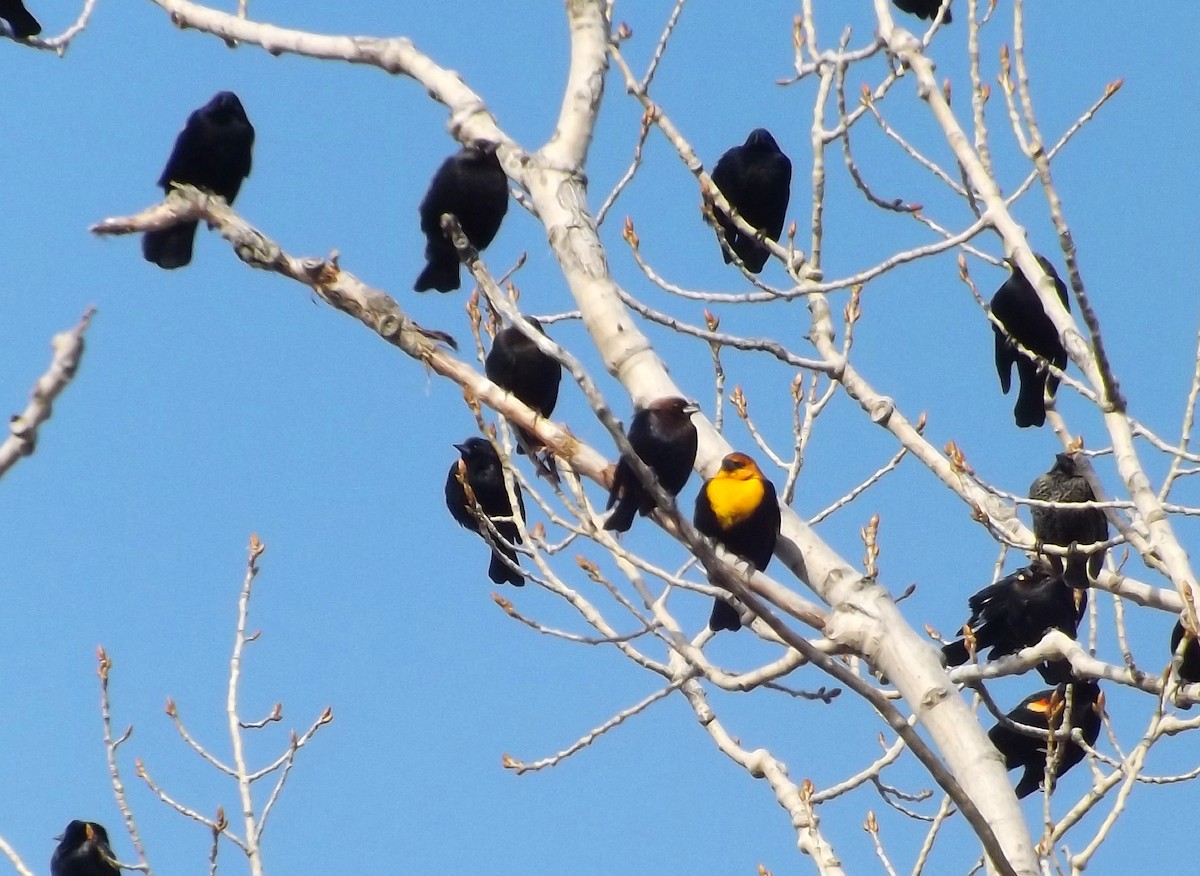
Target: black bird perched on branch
(738, 510)
(212, 153)
(472, 187)
(1016, 611)
(664, 437)
(516, 364)
(18, 18)
(83, 850)
(1045, 710)
(1017, 306)
(923, 9)
(481, 469)
(1189, 671)
(1067, 527)
(755, 178)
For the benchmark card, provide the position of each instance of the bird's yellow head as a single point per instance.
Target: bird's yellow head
(739, 467)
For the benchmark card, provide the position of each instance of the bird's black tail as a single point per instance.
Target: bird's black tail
(1030, 410)
(1030, 779)
(622, 517)
(501, 573)
(170, 248)
(22, 23)
(724, 617)
(440, 274)
(956, 653)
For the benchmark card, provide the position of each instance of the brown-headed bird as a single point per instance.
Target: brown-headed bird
(516, 364)
(738, 510)
(1045, 710)
(483, 473)
(1066, 527)
(923, 9)
(17, 17)
(756, 179)
(1189, 671)
(472, 187)
(1016, 611)
(664, 437)
(1017, 306)
(212, 153)
(83, 850)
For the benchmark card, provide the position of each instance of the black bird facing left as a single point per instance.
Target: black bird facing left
(212, 153)
(1017, 306)
(756, 179)
(483, 472)
(19, 19)
(516, 364)
(83, 850)
(923, 9)
(472, 187)
(1066, 527)
(664, 437)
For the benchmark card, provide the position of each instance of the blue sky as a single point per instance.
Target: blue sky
(214, 402)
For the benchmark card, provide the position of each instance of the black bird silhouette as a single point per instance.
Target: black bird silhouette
(485, 476)
(923, 9)
(738, 510)
(18, 18)
(212, 153)
(516, 364)
(664, 437)
(1189, 671)
(472, 187)
(1043, 710)
(1016, 611)
(1018, 308)
(755, 178)
(83, 850)
(1069, 526)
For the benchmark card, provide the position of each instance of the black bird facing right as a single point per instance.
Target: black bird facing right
(516, 364)
(472, 187)
(664, 437)
(18, 18)
(212, 153)
(83, 850)
(1189, 671)
(483, 472)
(1066, 527)
(1017, 306)
(1043, 710)
(755, 178)
(923, 9)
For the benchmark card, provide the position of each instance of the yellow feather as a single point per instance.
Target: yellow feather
(733, 499)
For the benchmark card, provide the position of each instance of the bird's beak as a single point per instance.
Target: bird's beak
(461, 448)
(691, 408)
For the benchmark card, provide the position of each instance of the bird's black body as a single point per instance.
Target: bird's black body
(516, 364)
(1189, 671)
(1016, 611)
(1017, 306)
(472, 187)
(1067, 526)
(83, 850)
(664, 437)
(486, 478)
(755, 178)
(22, 23)
(923, 9)
(1038, 711)
(737, 509)
(212, 153)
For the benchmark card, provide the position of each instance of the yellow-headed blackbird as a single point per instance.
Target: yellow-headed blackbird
(1045, 710)
(755, 178)
(211, 153)
(664, 437)
(485, 476)
(516, 364)
(472, 187)
(737, 509)
(83, 850)
(1017, 306)
(1189, 671)
(1069, 526)
(22, 23)
(1016, 611)
(923, 9)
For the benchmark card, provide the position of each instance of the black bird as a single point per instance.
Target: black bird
(1017, 306)
(18, 18)
(1069, 526)
(664, 437)
(923, 9)
(1044, 710)
(83, 850)
(1016, 611)
(212, 153)
(472, 186)
(1189, 671)
(516, 364)
(738, 510)
(486, 477)
(755, 178)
